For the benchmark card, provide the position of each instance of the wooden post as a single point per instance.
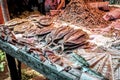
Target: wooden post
(5, 11)
(12, 67)
(1, 16)
(4, 17)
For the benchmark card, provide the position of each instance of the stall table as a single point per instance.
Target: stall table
(45, 68)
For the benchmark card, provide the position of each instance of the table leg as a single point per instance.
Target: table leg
(19, 69)
(12, 67)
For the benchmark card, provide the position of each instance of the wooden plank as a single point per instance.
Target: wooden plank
(1, 16)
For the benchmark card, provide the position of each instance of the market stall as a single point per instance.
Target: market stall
(80, 43)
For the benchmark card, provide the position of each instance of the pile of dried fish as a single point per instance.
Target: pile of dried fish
(80, 13)
(25, 29)
(46, 41)
(113, 30)
(6, 34)
(61, 45)
(40, 31)
(104, 61)
(68, 38)
(47, 53)
(43, 30)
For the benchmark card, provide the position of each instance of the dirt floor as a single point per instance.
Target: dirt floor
(5, 74)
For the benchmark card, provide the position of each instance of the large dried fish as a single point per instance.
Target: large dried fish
(60, 32)
(45, 30)
(76, 37)
(104, 62)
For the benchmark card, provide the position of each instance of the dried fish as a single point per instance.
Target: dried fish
(15, 21)
(45, 30)
(79, 13)
(76, 38)
(59, 33)
(102, 62)
(46, 21)
(21, 28)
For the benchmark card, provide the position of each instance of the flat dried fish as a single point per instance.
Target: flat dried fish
(45, 30)
(59, 33)
(21, 28)
(16, 21)
(76, 37)
(102, 62)
(35, 17)
(46, 21)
